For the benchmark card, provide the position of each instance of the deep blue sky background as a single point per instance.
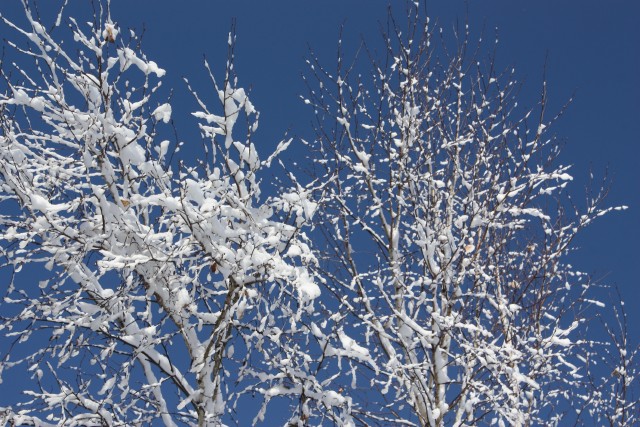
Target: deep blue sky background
(592, 50)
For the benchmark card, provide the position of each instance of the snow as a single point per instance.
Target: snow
(332, 398)
(183, 298)
(294, 251)
(40, 203)
(132, 153)
(163, 112)
(108, 385)
(127, 57)
(20, 97)
(163, 148)
(562, 176)
(353, 350)
(307, 288)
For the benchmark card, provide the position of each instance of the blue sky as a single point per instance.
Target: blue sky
(590, 47)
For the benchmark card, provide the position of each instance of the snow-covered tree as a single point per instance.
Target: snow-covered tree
(446, 224)
(167, 287)
(419, 278)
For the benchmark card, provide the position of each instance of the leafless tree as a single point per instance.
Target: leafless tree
(165, 286)
(446, 223)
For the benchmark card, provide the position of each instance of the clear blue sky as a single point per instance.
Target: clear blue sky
(592, 50)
